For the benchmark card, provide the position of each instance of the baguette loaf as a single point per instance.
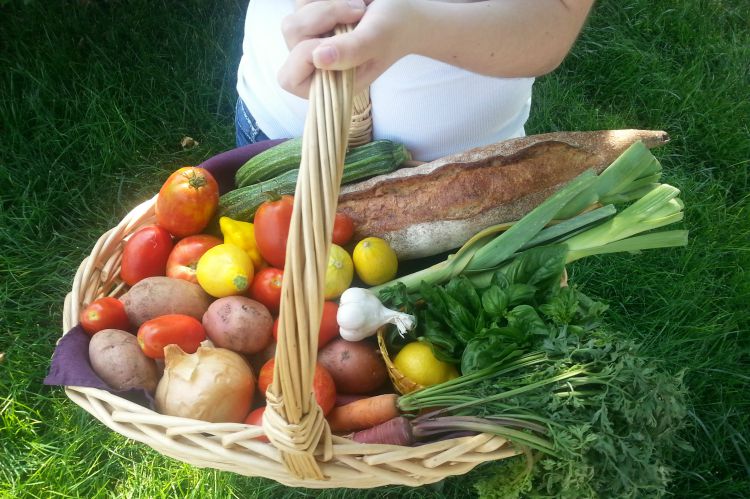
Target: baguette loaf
(437, 206)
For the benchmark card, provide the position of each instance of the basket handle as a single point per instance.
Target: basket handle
(293, 420)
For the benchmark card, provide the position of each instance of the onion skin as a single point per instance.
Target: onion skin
(213, 384)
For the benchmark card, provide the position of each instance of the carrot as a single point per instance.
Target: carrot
(345, 398)
(364, 413)
(396, 431)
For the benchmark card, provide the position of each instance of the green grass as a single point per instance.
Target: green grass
(96, 96)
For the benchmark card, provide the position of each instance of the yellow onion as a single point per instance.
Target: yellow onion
(212, 384)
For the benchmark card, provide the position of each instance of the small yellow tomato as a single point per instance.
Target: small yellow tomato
(225, 270)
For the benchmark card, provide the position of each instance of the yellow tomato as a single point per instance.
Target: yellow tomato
(225, 270)
(417, 362)
(339, 273)
(375, 261)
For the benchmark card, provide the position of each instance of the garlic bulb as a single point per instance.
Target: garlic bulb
(212, 384)
(361, 314)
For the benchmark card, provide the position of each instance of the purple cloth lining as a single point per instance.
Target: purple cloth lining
(70, 362)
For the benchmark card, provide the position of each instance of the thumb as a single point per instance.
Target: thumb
(344, 51)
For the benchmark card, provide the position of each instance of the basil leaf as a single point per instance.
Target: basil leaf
(495, 301)
(484, 351)
(526, 319)
(541, 267)
(519, 293)
(461, 289)
(500, 280)
(444, 345)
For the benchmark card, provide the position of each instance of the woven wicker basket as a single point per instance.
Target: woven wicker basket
(302, 451)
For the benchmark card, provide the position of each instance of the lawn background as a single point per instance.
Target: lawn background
(95, 97)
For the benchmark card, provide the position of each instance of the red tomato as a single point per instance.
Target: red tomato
(323, 386)
(329, 328)
(181, 330)
(184, 257)
(266, 288)
(256, 418)
(187, 201)
(343, 229)
(104, 313)
(272, 229)
(145, 254)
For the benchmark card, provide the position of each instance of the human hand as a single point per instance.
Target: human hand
(378, 41)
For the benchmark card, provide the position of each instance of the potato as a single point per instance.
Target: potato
(118, 360)
(156, 296)
(356, 366)
(238, 323)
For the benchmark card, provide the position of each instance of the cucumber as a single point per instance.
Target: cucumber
(287, 156)
(361, 162)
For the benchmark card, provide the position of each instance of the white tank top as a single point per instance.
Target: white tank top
(433, 108)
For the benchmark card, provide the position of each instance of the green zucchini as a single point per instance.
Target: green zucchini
(270, 163)
(287, 156)
(241, 203)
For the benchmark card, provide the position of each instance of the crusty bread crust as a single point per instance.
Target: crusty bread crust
(437, 206)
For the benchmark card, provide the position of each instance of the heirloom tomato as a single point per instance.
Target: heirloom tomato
(343, 229)
(187, 201)
(329, 328)
(272, 229)
(184, 257)
(323, 385)
(104, 313)
(172, 329)
(145, 254)
(266, 288)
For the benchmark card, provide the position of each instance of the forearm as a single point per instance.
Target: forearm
(504, 38)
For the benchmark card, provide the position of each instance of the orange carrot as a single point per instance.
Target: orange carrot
(364, 413)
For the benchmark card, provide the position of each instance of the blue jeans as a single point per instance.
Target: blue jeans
(248, 131)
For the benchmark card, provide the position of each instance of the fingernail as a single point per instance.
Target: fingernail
(357, 4)
(325, 55)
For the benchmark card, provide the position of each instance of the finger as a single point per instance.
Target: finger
(317, 18)
(343, 51)
(296, 73)
(367, 73)
(301, 3)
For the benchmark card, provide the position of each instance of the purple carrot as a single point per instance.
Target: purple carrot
(396, 431)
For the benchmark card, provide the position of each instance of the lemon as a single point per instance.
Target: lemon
(375, 261)
(225, 270)
(417, 362)
(339, 273)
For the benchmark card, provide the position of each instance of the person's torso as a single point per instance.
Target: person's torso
(433, 108)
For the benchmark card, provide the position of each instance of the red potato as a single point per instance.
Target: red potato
(356, 366)
(118, 360)
(156, 296)
(238, 323)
